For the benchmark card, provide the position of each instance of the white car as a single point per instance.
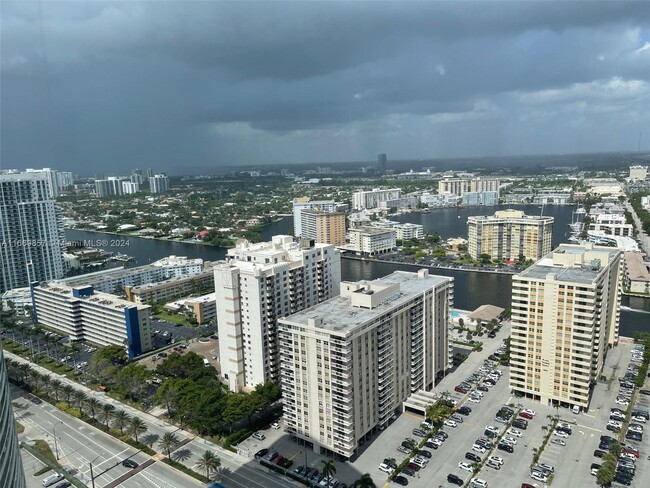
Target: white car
(385, 468)
(477, 393)
(496, 459)
(419, 461)
(614, 423)
(635, 428)
(514, 432)
(511, 440)
(559, 442)
(547, 467)
(275, 425)
(639, 419)
(478, 483)
(479, 448)
(450, 423)
(465, 467)
(474, 400)
(536, 475)
(529, 411)
(559, 433)
(622, 401)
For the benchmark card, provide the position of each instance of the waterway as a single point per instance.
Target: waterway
(471, 289)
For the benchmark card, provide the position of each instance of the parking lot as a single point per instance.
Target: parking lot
(571, 462)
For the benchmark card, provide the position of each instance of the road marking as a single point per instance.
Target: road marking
(590, 428)
(295, 454)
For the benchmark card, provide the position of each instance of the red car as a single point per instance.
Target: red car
(277, 460)
(526, 415)
(527, 485)
(631, 451)
(413, 467)
(460, 389)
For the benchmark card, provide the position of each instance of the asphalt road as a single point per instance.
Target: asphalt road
(79, 445)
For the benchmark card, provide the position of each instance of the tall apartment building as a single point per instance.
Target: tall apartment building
(11, 466)
(129, 187)
(348, 364)
(509, 234)
(257, 285)
(65, 180)
(31, 231)
(84, 314)
(52, 178)
(371, 241)
(372, 198)
(459, 186)
(108, 187)
(565, 315)
(159, 183)
(303, 203)
(324, 227)
(382, 161)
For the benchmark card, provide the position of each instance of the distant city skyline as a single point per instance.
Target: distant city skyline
(92, 85)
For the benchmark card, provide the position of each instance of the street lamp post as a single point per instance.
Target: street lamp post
(56, 445)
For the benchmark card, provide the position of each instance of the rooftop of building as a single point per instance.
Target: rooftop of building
(573, 263)
(637, 270)
(341, 316)
(98, 297)
(373, 230)
(511, 214)
(170, 281)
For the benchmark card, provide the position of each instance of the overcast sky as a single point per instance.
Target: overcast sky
(106, 87)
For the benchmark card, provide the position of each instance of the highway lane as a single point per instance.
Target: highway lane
(80, 444)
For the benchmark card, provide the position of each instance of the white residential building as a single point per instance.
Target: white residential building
(51, 176)
(348, 364)
(402, 231)
(259, 284)
(111, 186)
(612, 224)
(401, 202)
(300, 204)
(487, 198)
(101, 318)
(565, 316)
(371, 241)
(439, 200)
(159, 183)
(459, 186)
(31, 231)
(638, 172)
(129, 188)
(65, 180)
(373, 198)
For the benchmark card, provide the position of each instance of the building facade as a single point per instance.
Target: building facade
(170, 289)
(258, 284)
(303, 203)
(323, 226)
(637, 273)
(565, 315)
(509, 234)
(487, 198)
(111, 186)
(348, 364)
(129, 187)
(65, 180)
(159, 183)
(11, 466)
(612, 224)
(372, 198)
(402, 202)
(638, 172)
(459, 186)
(439, 200)
(372, 241)
(101, 318)
(31, 231)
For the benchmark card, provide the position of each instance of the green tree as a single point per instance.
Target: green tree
(55, 387)
(209, 462)
(605, 474)
(132, 380)
(93, 405)
(121, 419)
(106, 413)
(364, 482)
(180, 366)
(485, 258)
(137, 427)
(269, 392)
(67, 391)
(114, 354)
(328, 470)
(80, 399)
(168, 394)
(168, 442)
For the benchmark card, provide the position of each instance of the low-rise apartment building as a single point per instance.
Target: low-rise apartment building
(373, 198)
(349, 363)
(84, 314)
(565, 316)
(372, 241)
(510, 234)
(637, 273)
(612, 224)
(323, 226)
(164, 291)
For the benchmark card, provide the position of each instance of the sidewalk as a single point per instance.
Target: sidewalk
(149, 419)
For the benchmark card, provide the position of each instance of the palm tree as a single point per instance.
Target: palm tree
(137, 426)
(93, 405)
(168, 442)
(121, 419)
(34, 379)
(106, 413)
(68, 391)
(364, 482)
(81, 398)
(55, 388)
(23, 371)
(210, 462)
(328, 470)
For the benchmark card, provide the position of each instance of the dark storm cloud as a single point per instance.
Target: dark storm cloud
(89, 84)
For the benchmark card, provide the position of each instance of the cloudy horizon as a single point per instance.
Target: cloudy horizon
(93, 86)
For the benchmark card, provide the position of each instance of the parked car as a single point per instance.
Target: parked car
(129, 463)
(456, 480)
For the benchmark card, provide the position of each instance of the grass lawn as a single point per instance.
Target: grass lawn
(44, 449)
(20, 428)
(174, 318)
